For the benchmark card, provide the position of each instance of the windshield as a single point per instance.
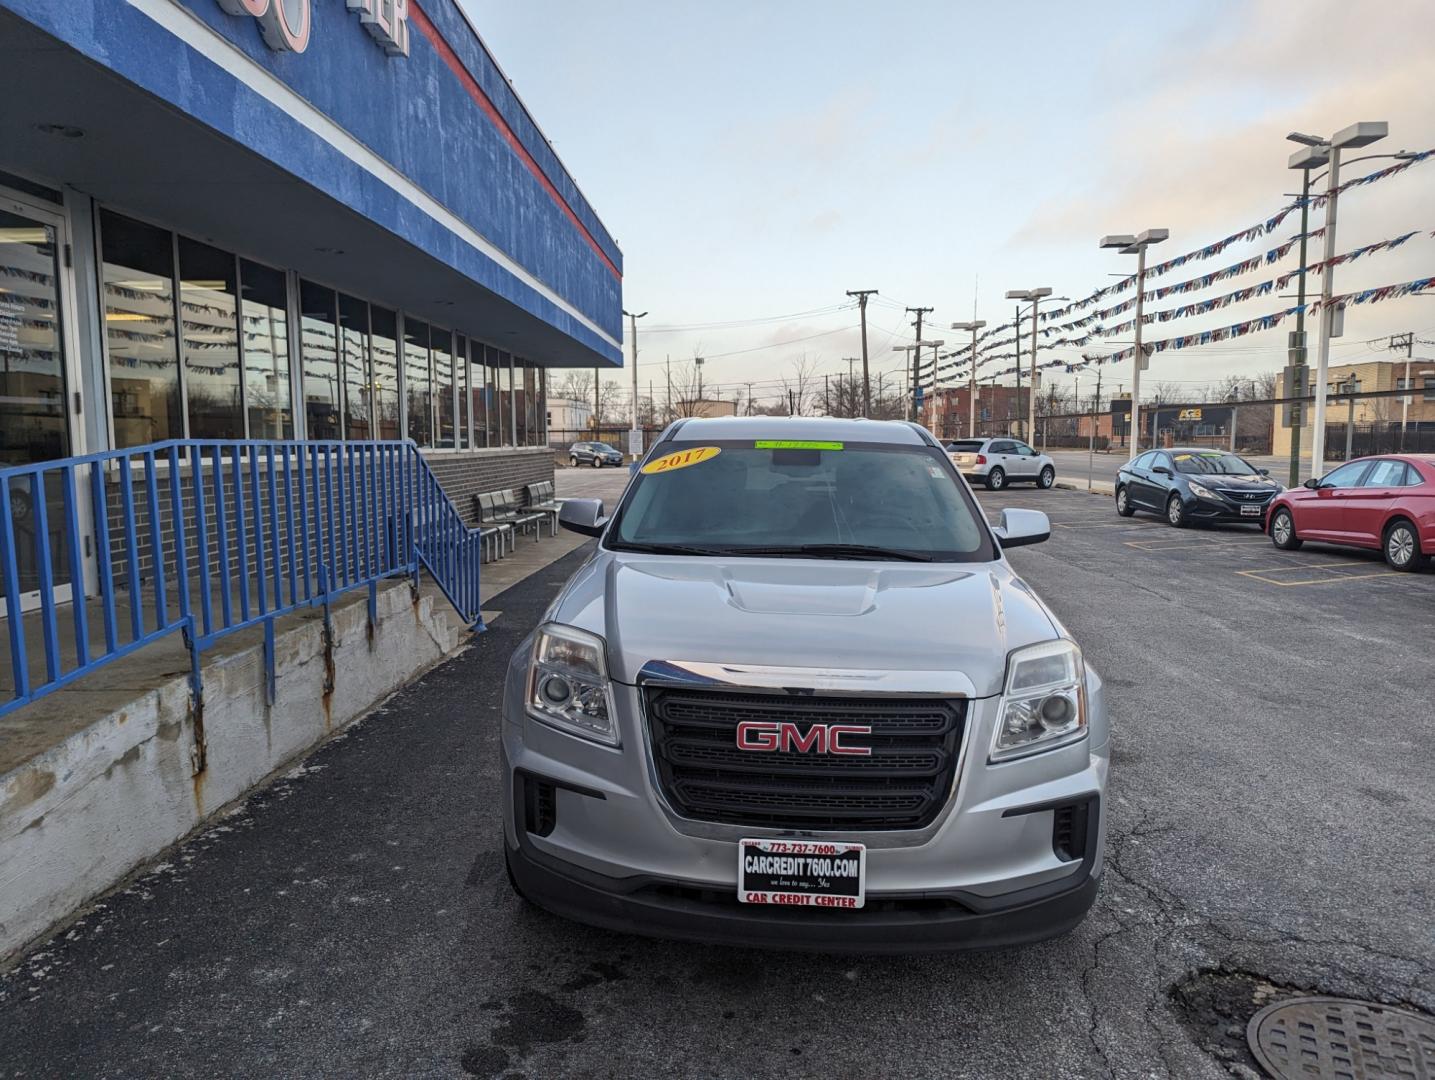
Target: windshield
(797, 498)
(1214, 463)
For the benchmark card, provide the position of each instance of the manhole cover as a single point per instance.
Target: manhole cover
(1340, 1039)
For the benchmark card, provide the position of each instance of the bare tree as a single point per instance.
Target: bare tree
(798, 387)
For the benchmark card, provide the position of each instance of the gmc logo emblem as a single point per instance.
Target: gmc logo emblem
(771, 736)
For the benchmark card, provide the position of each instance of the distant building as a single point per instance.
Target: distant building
(710, 407)
(1375, 375)
(567, 419)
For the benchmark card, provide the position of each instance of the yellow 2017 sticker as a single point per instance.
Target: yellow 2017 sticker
(682, 459)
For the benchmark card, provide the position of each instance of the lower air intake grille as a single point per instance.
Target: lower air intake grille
(903, 782)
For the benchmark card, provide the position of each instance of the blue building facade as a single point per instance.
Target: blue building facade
(284, 219)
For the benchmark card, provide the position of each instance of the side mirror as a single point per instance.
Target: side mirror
(1312, 483)
(583, 516)
(1021, 527)
(1162, 470)
(1264, 472)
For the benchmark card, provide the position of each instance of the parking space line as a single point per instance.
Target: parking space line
(1265, 577)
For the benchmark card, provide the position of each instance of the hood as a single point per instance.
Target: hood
(826, 614)
(1234, 482)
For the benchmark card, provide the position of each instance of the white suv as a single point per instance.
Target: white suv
(999, 462)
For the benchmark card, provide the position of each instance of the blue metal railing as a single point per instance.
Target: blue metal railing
(209, 538)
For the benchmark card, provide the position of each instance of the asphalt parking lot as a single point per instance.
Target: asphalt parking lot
(1270, 833)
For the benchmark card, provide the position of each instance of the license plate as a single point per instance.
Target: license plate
(963, 459)
(802, 873)
(1251, 511)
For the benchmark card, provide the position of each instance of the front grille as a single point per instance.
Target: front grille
(902, 784)
(1245, 495)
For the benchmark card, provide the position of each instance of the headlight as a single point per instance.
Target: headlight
(568, 683)
(1044, 703)
(1202, 492)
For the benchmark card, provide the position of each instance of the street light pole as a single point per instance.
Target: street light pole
(635, 434)
(1356, 135)
(1137, 245)
(972, 403)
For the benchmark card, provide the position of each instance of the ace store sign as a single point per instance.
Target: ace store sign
(286, 24)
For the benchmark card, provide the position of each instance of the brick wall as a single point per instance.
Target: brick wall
(467, 473)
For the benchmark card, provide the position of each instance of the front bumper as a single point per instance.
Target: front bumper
(655, 907)
(1225, 511)
(986, 874)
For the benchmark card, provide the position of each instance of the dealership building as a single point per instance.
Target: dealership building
(286, 220)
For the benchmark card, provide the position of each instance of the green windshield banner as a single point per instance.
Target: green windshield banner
(794, 444)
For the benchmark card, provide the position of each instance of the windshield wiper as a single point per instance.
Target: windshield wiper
(666, 549)
(835, 551)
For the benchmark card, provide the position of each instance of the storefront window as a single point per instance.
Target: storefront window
(542, 408)
(418, 381)
(460, 369)
(480, 392)
(441, 347)
(354, 334)
(530, 407)
(505, 399)
(138, 279)
(520, 403)
(319, 342)
(208, 296)
(32, 376)
(265, 322)
(384, 348)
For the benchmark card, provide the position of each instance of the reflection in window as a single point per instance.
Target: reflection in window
(208, 292)
(505, 399)
(441, 346)
(418, 382)
(480, 392)
(138, 279)
(319, 350)
(460, 370)
(265, 323)
(354, 334)
(32, 368)
(384, 349)
(520, 403)
(530, 406)
(541, 409)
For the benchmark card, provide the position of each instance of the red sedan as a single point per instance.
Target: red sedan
(1383, 503)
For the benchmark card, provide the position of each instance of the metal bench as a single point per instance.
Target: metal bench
(540, 498)
(501, 508)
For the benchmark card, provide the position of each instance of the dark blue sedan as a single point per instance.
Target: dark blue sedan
(1197, 484)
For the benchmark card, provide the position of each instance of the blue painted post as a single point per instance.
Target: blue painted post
(9, 569)
(156, 541)
(101, 512)
(181, 554)
(289, 528)
(201, 535)
(274, 526)
(47, 576)
(79, 616)
(132, 559)
(221, 538)
(241, 530)
(261, 574)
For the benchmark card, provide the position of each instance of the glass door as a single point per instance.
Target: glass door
(37, 380)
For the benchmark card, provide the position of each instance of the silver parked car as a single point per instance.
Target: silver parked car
(796, 697)
(999, 462)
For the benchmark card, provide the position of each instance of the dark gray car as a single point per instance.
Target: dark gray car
(596, 454)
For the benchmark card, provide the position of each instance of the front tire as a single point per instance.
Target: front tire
(1047, 477)
(1283, 531)
(597, 463)
(572, 462)
(996, 479)
(1176, 512)
(1402, 546)
(1123, 503)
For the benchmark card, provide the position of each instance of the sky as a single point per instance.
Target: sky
(756, 159)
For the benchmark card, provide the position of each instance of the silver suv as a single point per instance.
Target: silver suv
(1003, 461)
(796, 697)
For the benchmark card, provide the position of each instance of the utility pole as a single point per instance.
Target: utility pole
(1137, 245)
(791, 410)
(826, 397)
(862, 295)
(749, 399)
(668, 366)
(1016, 341)
(1352, 384)
(1408, 341)
(1091, 442)
(597, 400)
(635, 434)
(917, 356)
